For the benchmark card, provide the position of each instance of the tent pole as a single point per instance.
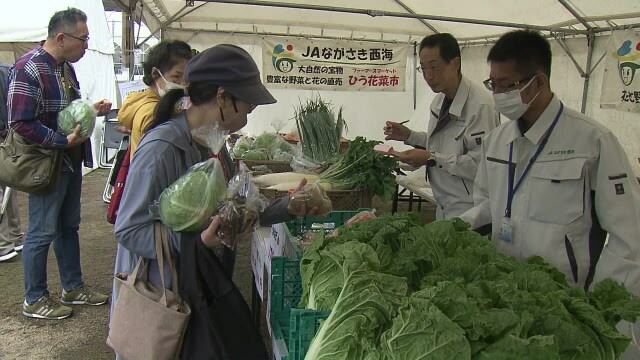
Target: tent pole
(375, 13)
(585, 91)
(566, 49)
(415, 75)
(128, 58)
(621, 27)
(171, 20)
(262, 33)
(423, 21)
(575, 14)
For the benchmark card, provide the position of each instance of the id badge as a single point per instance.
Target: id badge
(506, 230)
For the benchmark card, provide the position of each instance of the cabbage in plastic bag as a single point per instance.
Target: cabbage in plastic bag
(265, 141)
(257, 154)
(190, 202)
(241, 147)
(78, 112)
(281, 155)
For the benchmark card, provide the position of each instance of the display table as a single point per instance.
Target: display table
(417, 192)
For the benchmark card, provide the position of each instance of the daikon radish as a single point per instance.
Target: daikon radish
(285, 186)
(282, 178)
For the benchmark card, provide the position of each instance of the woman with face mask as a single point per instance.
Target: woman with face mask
(224, 87)
(164, 70)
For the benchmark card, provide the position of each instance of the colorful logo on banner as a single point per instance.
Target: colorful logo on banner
(282, 60)
(628, 54)
(337, 66)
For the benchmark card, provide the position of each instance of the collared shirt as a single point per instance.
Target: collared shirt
(455, 146)
(580, 188)
(36, 96)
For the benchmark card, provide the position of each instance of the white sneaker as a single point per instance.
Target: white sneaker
(9, 255)
(19, 247)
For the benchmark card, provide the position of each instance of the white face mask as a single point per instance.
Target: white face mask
(510, 103)
(168, 85)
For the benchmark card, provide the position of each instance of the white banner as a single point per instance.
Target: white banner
(333, 65)
(621, 83)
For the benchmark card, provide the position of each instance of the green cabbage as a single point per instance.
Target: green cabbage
(78, 112)
(257, 154)
(265, 141)
(280, 155)
(190, 202)
(241, 147)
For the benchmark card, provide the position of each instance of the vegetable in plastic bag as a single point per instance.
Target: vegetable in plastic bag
(78, 112)
(265, 141)
(189, 203)
(240, 210)
(311, 196)
(257, 154)
(281, 155)
(241, 147)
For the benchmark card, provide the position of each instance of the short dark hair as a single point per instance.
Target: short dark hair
(65, 21)
(164, 56)
(448, 45)
(529, 50)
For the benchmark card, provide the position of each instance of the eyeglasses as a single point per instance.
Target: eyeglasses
(496, 88)
(431, 69)
(84, 40)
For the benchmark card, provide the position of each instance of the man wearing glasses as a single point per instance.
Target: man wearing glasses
(553, 182)
(41, 84)
(462, 114)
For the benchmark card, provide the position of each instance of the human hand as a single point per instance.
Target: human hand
(123, 129)
(396, 131)
(75, 138)
(312, 202)
(415, 157)
(102, 107)
(210, 236)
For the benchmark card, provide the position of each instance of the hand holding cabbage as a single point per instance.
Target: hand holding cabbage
(79, 112)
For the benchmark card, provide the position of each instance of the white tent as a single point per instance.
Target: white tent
(95, 72)
(570, 24)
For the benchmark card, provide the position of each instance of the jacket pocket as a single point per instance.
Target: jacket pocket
(557, 191)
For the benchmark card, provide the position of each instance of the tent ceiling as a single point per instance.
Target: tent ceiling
(393, 18)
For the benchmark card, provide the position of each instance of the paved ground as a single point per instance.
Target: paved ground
(83, 335)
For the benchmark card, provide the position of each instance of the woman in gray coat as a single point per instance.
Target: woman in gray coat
(224, 87)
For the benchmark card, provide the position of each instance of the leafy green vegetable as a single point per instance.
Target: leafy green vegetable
(189, 203)
(362, 168)
(79, 112)
(265, 141)
(320, 129)
(327, 275)
(422, 331)
(367, 303)
(614, 302)
(241, 147)
(512, 347)
(460, 291)
(257, 154)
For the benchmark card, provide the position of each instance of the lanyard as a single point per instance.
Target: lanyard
(512, 190)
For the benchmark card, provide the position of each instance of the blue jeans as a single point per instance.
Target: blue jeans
(53, 218)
